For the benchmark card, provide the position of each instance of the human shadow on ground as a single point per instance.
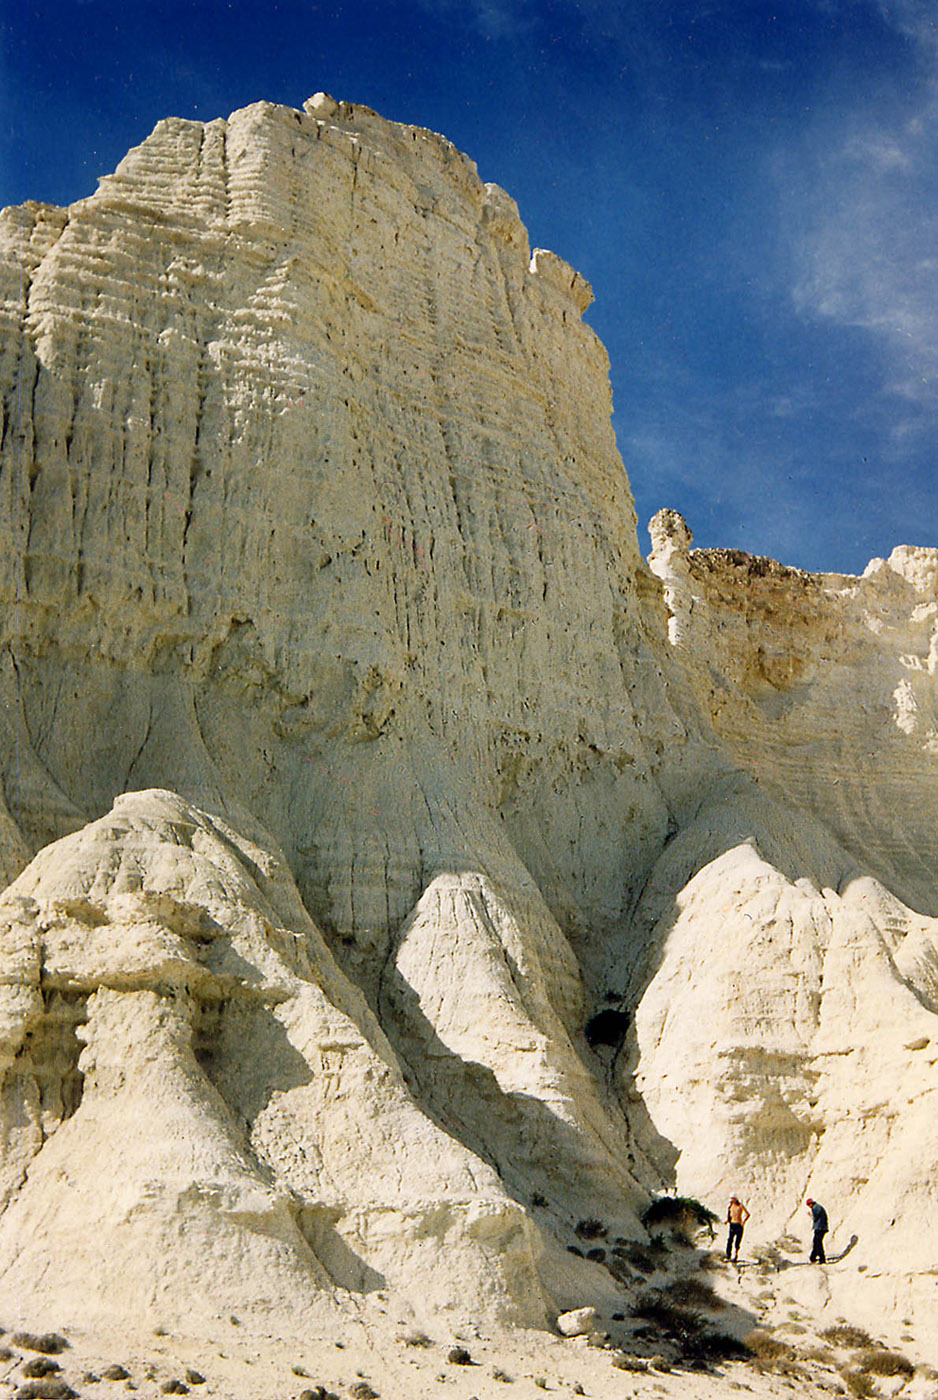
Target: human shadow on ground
(782, 1264)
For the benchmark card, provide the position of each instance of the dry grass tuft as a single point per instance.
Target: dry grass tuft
(879, 1361)
(49, 1342)
(768, 1353)
(679, 1323)
(51, 1388)
(768, 1348)
(694, 1293)
(857, 1383)
(40, 1366)
(707, 1348)
(417, 1339)
(844, 1334)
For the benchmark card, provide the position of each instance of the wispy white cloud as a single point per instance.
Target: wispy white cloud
(868, 252)
(496, 19)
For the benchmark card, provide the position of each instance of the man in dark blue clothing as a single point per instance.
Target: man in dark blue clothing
(819, 1226)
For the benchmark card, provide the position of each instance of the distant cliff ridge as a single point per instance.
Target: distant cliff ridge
(354, 762)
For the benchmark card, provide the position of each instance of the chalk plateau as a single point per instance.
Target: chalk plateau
(406, 884)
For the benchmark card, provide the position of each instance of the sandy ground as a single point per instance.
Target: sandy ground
(379, 1354)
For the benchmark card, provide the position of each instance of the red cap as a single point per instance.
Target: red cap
(809, 1202)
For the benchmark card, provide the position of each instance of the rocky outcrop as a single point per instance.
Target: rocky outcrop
(399, 873)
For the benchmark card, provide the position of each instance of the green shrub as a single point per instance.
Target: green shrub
(682, 1215)
(666, 1210)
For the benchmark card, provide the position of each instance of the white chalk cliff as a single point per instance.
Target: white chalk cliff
(354, 761)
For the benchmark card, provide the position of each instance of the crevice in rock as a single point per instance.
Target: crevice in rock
(49, 1056)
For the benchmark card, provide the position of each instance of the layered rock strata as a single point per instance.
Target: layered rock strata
(399, 873)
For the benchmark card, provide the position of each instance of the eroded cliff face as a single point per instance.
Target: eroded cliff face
(301, 367)
(376, 764)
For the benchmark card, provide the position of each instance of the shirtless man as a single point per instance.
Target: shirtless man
(736, 1217)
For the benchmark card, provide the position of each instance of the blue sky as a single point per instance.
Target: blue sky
(751, 188)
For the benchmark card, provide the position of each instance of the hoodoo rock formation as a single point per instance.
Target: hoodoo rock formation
(355, 765)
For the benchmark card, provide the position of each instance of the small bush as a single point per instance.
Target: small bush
(41, 1366)
(51, 1388)
(502, 1376)
(598, 1256)
(116, 1373)
(679, 1212)
(363, 1391)
(710, 1263)
(417, 1339)
(49, 1342)
(857, 1383)
(694, 1293)
(637, 1254)
(845, 1335)
(590, 1230)
(768, 1348)
(878, 1361)
(619, 1270)
(622, 1361)
(459, 1356)
(538, 1201)
(708, 1347)
(677, 1322)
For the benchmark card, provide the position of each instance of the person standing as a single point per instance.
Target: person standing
(736, 1217)
(819, 1226)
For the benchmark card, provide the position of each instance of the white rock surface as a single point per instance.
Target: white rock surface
(577, 1323)
(388, 791)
